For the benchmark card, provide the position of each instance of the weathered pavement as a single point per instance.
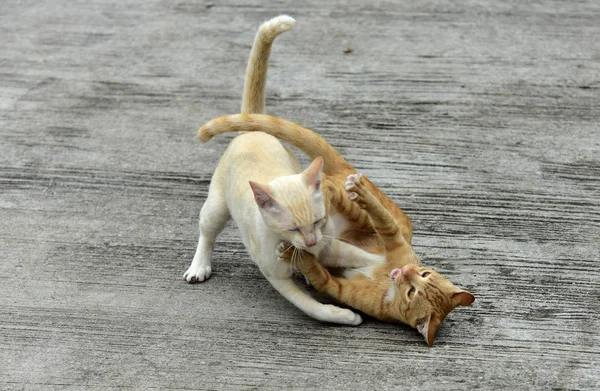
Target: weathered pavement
(479, 119)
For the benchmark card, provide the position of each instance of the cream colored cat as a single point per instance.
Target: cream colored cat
(259, 183)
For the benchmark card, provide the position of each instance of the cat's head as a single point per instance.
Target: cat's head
(294, 205)
(424, 298)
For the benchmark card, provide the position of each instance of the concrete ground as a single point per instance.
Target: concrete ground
(479, 118)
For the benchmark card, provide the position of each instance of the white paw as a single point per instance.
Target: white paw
(351, 181)
(197, 273)
(283, 248)
(344, 316)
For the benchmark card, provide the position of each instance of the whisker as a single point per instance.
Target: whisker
(295, 254)
(340, 239)
(288, 249)
(328, 244)
(274, 266)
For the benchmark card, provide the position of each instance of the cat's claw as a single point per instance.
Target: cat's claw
(355, 189)
(197, 274)
(352, 180)
(284, 252)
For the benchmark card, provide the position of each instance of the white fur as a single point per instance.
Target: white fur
(261, 158)
(272, 28)
(392, 293)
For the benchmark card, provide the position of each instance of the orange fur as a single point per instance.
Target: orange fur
(400, 290)
(378, 225)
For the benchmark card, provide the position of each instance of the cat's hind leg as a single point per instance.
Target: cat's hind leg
(213, 217)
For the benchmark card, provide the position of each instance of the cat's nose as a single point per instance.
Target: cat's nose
(311, 240)
(408, 271)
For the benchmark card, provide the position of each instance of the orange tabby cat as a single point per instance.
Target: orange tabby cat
(398, 291)
(420, 300)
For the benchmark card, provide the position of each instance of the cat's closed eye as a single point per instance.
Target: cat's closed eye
(294, 230)
(425, 274)
(318, 222)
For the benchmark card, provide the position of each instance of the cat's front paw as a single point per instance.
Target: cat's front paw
(284, 252)
(343, 315)
(354, 187)
(197, 273)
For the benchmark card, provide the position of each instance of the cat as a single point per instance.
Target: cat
(259, 183)
(357, 228)
(397, 291)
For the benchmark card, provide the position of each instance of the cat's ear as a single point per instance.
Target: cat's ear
(463, 298)
(262, 196)
(312, 175)
(428, 327)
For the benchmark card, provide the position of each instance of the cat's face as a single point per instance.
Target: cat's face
(425, 298)
(294, 206)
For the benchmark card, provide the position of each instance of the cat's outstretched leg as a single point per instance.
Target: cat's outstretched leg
(339, 253)
(323, 312)
(319, 311)
(350, 210)
(213, 217)
(341, 289)
(384, 224)
(314, 272)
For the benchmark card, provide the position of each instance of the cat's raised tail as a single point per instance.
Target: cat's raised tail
(253, 98)
(305, 139)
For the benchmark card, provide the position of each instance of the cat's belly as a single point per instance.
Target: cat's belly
(367, 271)
(338, 224)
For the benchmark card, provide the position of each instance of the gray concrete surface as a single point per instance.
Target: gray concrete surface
(480, 118)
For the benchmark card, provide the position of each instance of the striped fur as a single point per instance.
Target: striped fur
(378, 226)
(433, 296)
